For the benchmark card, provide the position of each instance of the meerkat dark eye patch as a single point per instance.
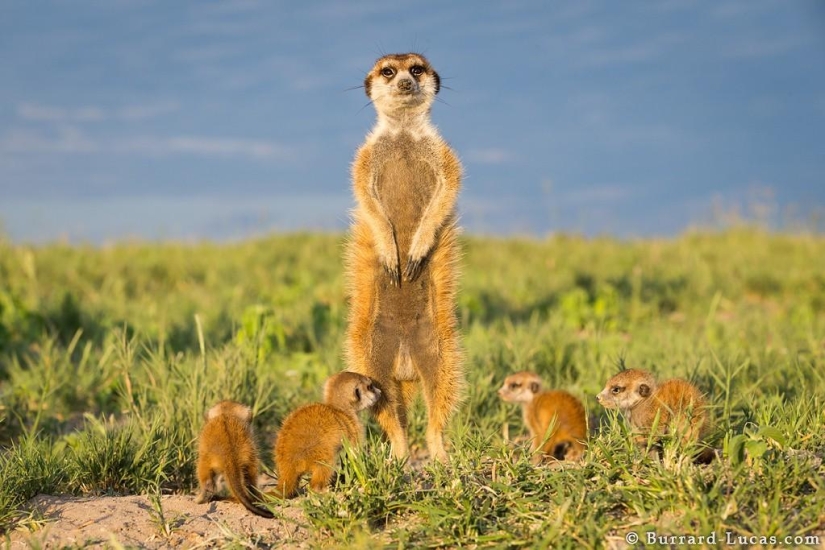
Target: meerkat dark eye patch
(514, 385)
(416, 70)
(357, 394)
(388, 72)
(616, 390)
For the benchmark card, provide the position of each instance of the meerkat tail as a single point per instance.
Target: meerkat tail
(235, 480)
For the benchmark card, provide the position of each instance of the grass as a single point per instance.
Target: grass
(110, 356)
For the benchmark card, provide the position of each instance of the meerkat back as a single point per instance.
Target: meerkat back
(311, 436)
(565, 414)
(682, 409)
(227, 447)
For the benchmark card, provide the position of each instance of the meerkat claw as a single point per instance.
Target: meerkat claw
(394, 274)
(413, 269)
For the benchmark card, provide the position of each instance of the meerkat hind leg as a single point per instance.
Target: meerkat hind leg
(287, 481)
(391, 415)
(439, 396)
(321, 477)
(208, 486)
(390, 412)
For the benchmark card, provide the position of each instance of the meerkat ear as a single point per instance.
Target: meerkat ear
(535, 387)
(437, 82)
(368, 85)
(644, 390)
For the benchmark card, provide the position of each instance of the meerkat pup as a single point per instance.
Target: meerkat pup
(556, 419)
(227, 447)
(675, 406)
(402, 255)
(311, 437)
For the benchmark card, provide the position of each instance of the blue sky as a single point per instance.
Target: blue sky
(189, 120)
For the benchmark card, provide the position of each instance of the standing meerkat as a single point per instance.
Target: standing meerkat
(402, 254)
(556, 419)
(227, 447)
(312, 435)
(675, 406)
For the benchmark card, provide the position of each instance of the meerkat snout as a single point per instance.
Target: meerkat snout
(368, 398)
(406, 85)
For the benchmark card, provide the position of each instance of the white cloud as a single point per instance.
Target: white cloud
(344, 10)
(36, 112)
(206, 146)
(597, 194)
(67, 140)
(47, 113)
(232, 8)
(149, 110)
(674, 5)
(207, 54)
(71, 140)
(738, 9)
(654, 48)
(763, 48)
(491, 155)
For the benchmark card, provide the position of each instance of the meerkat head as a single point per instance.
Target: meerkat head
(351, 391)
(627, 389)
(231, 408)
(520, 387)
(401, 82)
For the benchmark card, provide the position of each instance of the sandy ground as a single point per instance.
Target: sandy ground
(132, 521)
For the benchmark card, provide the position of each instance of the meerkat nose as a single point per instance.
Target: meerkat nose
(405, 85)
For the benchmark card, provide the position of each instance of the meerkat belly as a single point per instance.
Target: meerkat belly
(404, 324)
(405, 187)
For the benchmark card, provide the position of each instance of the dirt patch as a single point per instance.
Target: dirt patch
(133, 521)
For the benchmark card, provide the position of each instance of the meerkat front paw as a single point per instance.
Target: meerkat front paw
(391, 265)
(394, 273)
(413, 268)
(416, 258)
